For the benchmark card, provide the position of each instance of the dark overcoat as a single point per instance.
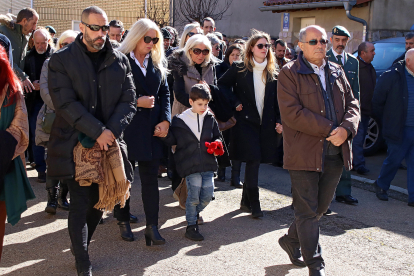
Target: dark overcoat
(251, 140)
(74, 88)
(139, 135)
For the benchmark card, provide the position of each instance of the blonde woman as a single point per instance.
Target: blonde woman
(189, 66)
(253, 138)
(144, 48)
(189, 30)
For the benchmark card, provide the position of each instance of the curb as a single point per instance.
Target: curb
(370, 181)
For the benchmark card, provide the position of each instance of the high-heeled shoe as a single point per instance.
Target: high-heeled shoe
(152, 236)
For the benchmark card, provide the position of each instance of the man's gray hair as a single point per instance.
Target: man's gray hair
(409, 54)
(409, 36)
(302, 32)
(213, 39)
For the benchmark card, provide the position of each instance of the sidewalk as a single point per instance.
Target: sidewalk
(374, 238)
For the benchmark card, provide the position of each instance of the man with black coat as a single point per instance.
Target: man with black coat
(93, 93)
(367, 80)
(33, 67)
(393, 102)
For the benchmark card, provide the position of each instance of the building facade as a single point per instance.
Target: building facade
(65, 15)
(385, 18)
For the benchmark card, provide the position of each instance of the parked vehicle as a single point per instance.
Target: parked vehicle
(386, 51)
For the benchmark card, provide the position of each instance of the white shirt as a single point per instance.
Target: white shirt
(193, 121)
(259, 85)
(145, 65)
(320, 71)
(336, 55)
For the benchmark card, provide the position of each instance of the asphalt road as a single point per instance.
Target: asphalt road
(374, 238)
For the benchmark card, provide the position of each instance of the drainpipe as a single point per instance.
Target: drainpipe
(145, 8)
(31, 4)
(348, 7)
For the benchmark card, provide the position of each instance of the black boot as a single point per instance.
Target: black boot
(235, 174)
(153, 236)
(52, 194)
(126, 233)
(245, 203)
(221, 174)
(62, 201)
(193, 234)
(253, 195)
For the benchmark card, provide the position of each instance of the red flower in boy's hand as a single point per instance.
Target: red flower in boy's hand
(215, 148)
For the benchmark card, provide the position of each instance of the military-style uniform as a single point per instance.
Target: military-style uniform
(350, 65)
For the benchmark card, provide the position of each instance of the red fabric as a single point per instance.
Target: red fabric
(7, 76)
(215, 148)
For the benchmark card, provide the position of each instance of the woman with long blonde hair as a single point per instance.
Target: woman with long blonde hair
(253, 139)
(144, 48)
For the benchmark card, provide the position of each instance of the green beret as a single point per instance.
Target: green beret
(50, 29)
(341, 31)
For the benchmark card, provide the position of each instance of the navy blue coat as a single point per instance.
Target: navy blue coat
(390, 102)
(251, 140)
(142, 145)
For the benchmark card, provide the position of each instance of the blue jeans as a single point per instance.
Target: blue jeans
(395, 154)
(358, 142)
(38, 152)
(200, 190)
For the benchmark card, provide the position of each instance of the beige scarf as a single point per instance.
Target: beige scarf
(105, 168)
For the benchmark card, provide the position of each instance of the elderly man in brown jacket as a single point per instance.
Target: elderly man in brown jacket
(320, 117)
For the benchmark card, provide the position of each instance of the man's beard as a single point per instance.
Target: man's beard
(91, 42)
(40, 52)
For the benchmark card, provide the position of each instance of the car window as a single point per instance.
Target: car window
(386, 53)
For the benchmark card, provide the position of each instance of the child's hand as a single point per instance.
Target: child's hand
(215, 154)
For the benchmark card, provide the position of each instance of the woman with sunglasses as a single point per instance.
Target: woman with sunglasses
(215, 44)
(190, 65)
(253, 138)
(144, 48)
(57, 190)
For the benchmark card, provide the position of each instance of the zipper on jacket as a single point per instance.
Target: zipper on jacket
(198, 123)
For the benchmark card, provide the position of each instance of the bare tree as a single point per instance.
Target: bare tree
(187, 11)
(158, 11)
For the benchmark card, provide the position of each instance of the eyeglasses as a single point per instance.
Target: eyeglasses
(64, 44)
(190, 34)
(314, 42)
(217, 47)
(197, 51)
(96, 28)
(267, 45)
(148, 39)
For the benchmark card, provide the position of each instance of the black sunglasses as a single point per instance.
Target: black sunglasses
(148, 39)
(96, 28)
(267, 45)
(217, 47)
(314, 42)
(64, 44)
(199, 51)
(190, 34)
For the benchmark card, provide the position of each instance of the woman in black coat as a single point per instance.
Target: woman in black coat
(253, 138)
(145, 51)
(233, 53)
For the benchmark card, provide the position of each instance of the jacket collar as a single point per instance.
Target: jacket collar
(151, 81)
(305, 68)
(48, 52)
(109, 51)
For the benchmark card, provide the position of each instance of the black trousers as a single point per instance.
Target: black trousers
(251, 174)
(148, 172)
(83, 219)
(312, 194)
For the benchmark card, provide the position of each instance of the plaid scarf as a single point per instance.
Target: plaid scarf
(106, 168)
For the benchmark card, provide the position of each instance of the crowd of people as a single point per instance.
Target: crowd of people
(104, 100)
